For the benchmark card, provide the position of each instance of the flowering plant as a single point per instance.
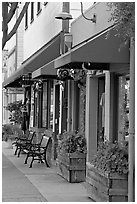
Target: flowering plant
(10, 131)
(70, 142)
(112, 157)
(79, 75)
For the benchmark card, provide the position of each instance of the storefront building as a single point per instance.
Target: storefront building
(98, 103)
(96, 47)
(43, 42)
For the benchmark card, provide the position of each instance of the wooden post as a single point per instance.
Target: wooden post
(91, 115)
(131, 178)
(69, 107)
(107, 106)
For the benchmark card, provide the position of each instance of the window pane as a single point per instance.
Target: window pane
(36, 109)
(38, 7)
(32, 109)
(51, 107)
(44, 105)
(26, 19)
(32, 11)
(123, 108)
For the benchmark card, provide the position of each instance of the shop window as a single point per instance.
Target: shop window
(32, 108)
(44, 105)
(123, 108)
(101, 109)
(32, 12)
(38, 97)
(47, 105)
(36, 109)
(51, 108)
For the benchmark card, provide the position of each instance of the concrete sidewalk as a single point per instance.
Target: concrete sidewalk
(44, 182)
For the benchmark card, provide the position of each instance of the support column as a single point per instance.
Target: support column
(91, 115)
(131, 175)
(107, 106)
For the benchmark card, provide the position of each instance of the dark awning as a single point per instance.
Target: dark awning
(14, 79)
(43, 56)
(46, 71)
(100, 49)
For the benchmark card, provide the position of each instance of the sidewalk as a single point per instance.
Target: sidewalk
(41, 183)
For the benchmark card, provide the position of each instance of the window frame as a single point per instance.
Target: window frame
(45, 3)
(26, 19)
(39, 8)
(48, 91)
(32, 12)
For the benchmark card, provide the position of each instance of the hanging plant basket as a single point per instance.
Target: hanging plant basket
(63, 74)
(79, 75)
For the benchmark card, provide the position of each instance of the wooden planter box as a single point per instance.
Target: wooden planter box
(72, 167)
(104, 187)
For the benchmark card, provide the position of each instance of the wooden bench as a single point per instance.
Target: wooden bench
(39, 152)
(24, 142)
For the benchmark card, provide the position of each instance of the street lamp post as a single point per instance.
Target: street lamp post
(65, 17)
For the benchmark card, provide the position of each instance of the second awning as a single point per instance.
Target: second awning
(101, 49)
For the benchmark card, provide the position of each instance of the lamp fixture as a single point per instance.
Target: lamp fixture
(93, 19)
(64, 16)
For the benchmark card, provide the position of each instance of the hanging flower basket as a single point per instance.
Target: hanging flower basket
(63, 74)
(78, 75)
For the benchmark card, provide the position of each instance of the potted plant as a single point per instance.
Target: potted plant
(71, 160)
(107, 176)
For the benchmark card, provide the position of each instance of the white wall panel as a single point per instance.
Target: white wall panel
(83, 29)
(43, 28)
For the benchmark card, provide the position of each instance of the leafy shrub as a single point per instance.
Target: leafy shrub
(10, 131)
(7, 130)
(70, 142)
(15, 109)
(112, 157)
